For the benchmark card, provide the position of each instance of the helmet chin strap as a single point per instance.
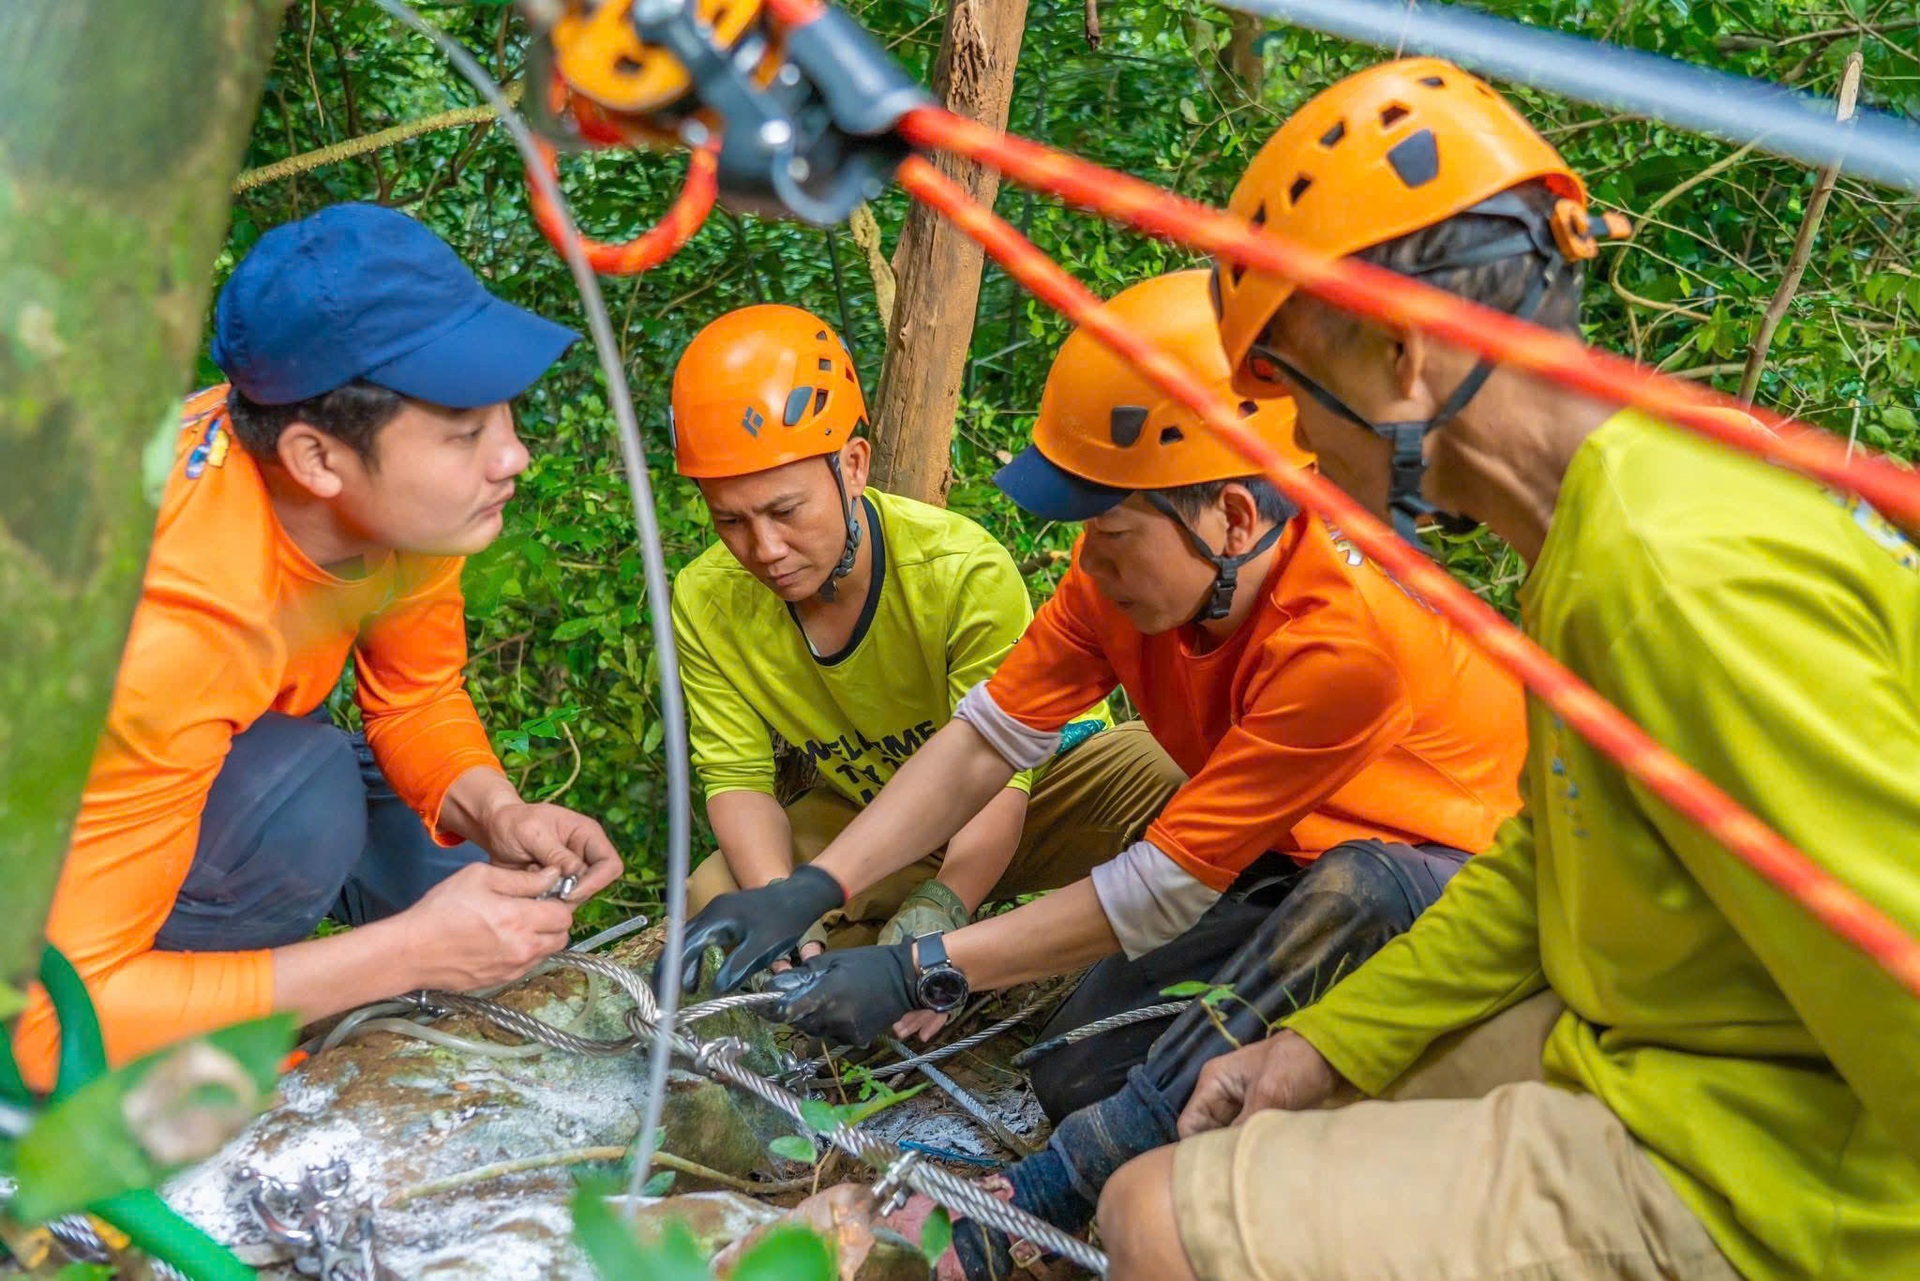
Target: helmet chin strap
(1226, 569)
(1408, 468)
(830, 589)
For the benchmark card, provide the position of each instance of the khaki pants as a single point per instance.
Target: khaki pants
(1088, 806)
(1472, 1169)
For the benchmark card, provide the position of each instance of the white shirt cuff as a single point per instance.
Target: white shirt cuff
(1149, 899)
(1022, 746)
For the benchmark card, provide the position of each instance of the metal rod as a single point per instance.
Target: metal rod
(1735, 109)
(633, 455)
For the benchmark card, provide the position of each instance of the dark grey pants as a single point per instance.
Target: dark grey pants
(1277, 941)
(299, 825)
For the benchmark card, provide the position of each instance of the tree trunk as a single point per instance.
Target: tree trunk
(122, 123)
(938, 268)
(1244, 62)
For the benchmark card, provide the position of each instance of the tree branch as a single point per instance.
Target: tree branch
(360, 146)
(1802, 245)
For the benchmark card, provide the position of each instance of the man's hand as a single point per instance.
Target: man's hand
(850, 996)
(754, 928)
(539, 835)
(932, 908)
(483, 926)
(1284, 1071)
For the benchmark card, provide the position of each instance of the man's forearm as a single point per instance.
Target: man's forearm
(1056, 934)
(472, 798)
(978, 854)
(754, 836)
(940, 788)
(324, 976)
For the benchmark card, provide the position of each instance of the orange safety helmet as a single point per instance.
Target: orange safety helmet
(1390, 151)
(759, 388)
(1105, 431)
(1384, 153)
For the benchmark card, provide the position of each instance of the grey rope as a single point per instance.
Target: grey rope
(940, 1081)
(633, 456)
(940, 1054)
(1034, 1053)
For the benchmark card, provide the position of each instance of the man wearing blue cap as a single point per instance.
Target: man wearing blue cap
(319, 507)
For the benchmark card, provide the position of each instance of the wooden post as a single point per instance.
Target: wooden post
(122, 124)
(938, 268)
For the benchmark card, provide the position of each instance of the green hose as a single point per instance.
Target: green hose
(155, 1228)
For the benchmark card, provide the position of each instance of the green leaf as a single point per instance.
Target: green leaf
(12, 1001)
(84, 1272)
(820, 1115)
(936, 1234)
(788, 1253)
(855, 1113)
(794, 1147)
(659, 1183)
(83, 1150)
(616, 1254)
(1192, 987)
(1900, 418)
(574, 629)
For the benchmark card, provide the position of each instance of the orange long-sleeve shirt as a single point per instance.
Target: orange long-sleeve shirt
(235, 621)
(1341, 709)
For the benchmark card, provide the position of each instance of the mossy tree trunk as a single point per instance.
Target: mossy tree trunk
(122, 124)
(938, 268)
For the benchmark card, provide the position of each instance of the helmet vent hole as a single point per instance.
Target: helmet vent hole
(1248, 409)
(1434, 82)
(1392, 114)
(1171, 435)
(819, 400)
(719, 16)
(1235, 273)
(1259, 218)
(1416, 158)
(796, 404)
(1332, 137)
(1298, 189)
(1124, 424)
(627, 66)
(824, 336)
(826, 366)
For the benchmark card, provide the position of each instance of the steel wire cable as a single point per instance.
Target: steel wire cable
(1735, 109)
(646, 522)
(1112, 1023)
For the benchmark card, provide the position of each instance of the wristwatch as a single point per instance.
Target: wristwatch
(939, 987)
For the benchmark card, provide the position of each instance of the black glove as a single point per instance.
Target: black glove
(852, 995)
(755, 928)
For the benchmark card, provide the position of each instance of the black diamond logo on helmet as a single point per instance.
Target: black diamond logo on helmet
(753, 421)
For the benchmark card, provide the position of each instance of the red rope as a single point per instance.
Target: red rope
(654, 246)
(1688, 792)
(1393, 299)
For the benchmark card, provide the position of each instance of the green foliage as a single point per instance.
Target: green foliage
(936, 1234)
(794, 1147)
(563, 668)
(84, 1149)
(787, 1253)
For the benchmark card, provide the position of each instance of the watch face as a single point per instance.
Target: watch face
(942, 988)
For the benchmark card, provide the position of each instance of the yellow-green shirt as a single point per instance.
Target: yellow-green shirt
(946, 605)
(1768, 632)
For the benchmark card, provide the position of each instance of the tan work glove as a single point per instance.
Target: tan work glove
(932, 908)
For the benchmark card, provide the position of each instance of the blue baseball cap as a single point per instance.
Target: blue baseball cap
(1051, 492)
(362, 292)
